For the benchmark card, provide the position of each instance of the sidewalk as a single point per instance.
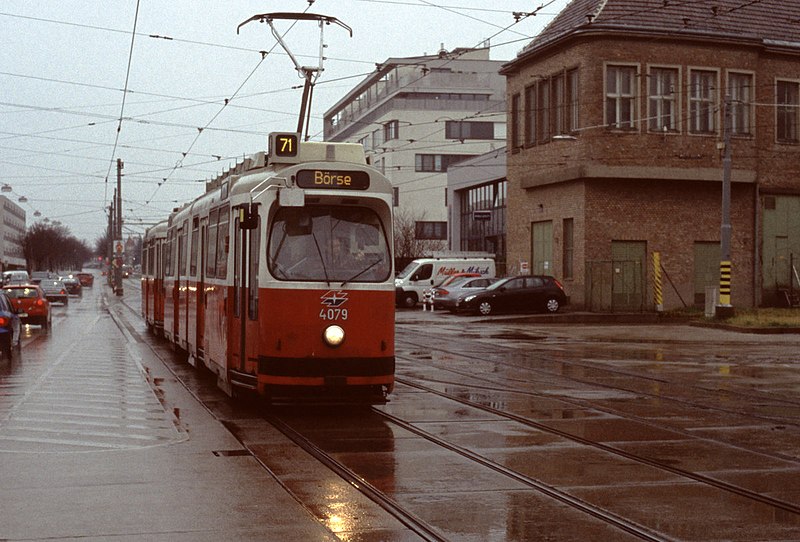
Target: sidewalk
(102, 443)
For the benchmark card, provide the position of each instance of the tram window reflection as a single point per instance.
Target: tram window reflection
(328, 243)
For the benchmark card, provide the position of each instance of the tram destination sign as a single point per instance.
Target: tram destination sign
(334, 179)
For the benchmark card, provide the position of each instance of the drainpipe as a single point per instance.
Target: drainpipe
(757, 279)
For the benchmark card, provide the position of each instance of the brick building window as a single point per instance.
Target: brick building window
(702, 102)
(516, 122)
(572, 101)
(788, 106)
(663, 100)
(620, 97)
(551, 107)
(530, 115)
(559, 104)
(543, 128)
(740, 89)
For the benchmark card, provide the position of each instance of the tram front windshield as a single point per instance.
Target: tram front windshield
(328, 243)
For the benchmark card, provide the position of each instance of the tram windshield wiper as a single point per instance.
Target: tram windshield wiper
(370, 266)
(321, 258)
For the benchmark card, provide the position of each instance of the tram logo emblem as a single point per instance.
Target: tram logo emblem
(334, 298)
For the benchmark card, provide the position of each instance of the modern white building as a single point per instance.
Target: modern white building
(477, 194)
(417, 116)
(12, 229)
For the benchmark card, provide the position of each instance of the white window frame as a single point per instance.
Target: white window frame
(656, 101)
(742, 103)
(788, 107)
(703, 101)
(622, 100)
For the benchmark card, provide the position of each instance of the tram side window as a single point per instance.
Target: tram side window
(151, 259)
(182, 251)
(195, 244)
(222, 243)
(211, 257)
(252, 273)
(168, 256)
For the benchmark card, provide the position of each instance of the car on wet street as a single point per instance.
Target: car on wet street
(30, 303)
(73, 285)
(86, 279)
(10, 327)
(445, 296)
(18, 276)
(55, 290)
(526, 293)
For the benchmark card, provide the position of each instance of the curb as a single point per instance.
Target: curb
(740, 329)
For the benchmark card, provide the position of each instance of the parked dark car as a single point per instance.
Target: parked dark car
(54, 290)
(528, 293)
(10, 327)
(445, 297)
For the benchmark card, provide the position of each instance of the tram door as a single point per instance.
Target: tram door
(245, 290)
(201, 290)
(182, 283)
(177, 254)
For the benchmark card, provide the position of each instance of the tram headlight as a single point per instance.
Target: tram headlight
(333, 335)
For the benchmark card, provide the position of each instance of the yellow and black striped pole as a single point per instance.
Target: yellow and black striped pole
(658, 295)
(725, 283)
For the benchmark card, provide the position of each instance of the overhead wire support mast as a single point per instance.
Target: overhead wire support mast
(309, 73)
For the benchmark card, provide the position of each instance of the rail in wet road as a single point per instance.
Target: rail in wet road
(497, 430)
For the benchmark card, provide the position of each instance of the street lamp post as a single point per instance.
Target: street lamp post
(724, 309)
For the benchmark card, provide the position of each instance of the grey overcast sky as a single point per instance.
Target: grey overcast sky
(65, 65)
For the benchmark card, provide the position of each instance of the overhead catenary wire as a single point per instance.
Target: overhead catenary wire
(124, 95)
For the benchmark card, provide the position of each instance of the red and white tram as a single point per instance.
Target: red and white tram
(153, 278)
(280, 280)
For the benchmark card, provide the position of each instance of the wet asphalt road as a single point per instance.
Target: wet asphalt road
(498, 429)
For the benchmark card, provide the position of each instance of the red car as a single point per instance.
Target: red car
(30, 300)
(87, 279)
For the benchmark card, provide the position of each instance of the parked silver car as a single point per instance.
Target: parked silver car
(445, 297)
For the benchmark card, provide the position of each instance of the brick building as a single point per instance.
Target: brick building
(616, 138)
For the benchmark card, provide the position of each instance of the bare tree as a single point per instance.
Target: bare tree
(406, 244)
(48, 247)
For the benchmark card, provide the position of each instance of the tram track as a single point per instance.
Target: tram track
(731, 488)
(409, 519)
(418, 525)
(565, 498)
(760, 398)
(493, 386)
(428, 531)
(783, 505)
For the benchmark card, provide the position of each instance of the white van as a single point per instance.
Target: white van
(425, 273)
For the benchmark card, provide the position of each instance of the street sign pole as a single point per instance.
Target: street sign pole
(119, 246)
